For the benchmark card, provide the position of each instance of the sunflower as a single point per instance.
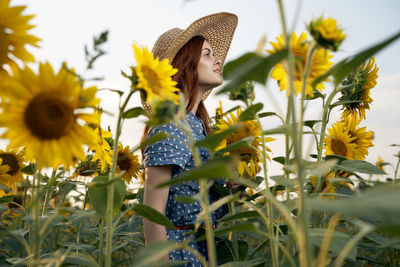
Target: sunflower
(128, 162)
(101, 148)
(363, 80)
(327, 186)
(338, 141)
(14, 36)
(249, 157)
(327, 33)
(348, 140)
(362, 137)
(299, 47)
(155, 76)
(44, 113)
(87, 168)
(11, 164)
(380, 163)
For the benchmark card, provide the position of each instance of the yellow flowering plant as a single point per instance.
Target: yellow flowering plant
(315, 212)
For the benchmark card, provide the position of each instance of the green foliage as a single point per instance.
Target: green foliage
(98, 194)
(152, 215)
(250, 67)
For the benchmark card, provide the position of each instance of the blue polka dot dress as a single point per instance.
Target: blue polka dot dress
(174, 151)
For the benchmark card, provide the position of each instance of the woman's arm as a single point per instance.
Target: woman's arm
(157, 199)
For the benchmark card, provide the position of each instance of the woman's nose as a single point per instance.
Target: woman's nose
(218, 61)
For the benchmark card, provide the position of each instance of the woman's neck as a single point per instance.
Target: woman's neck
(198, 99)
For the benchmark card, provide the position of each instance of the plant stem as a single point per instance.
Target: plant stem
(308, 64)
(325, 120)
(78, 238)
(35, 212)
(273, 241)
(395, 172)
(234, 234)
(353, 242)
(110, 186)
(302, 244)
(101, 242)
(49, 192)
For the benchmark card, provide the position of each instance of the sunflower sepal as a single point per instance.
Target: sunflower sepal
(131, 77)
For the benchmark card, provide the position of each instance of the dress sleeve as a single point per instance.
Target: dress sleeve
(169, 151)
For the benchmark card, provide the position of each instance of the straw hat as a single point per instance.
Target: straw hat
(216, 28)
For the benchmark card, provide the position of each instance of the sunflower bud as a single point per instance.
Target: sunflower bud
(356, 89)
(163, 112)
(326, 33)
(243, 92)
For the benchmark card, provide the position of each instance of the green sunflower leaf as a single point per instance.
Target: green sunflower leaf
(80, 259)
(241, 215)
(250, 67)
(212, 141)
(6, 199)
(215, 169)
(98, 194)
(247, 227)
(153, 215)
(250, 112)
(311, 123)
(152, 254)
(358, 166)
(379, 205)
(338, 241)
(133, 113)
(267, 114)
(244, 142)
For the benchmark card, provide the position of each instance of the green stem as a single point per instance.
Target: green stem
(395, 172)
(349, 245)
(273, 243)
(302, 244)
(49, 192)
(325, 120)
(78, 237)
(35, 212)
(110, 187)
(308, 64)
(234, 234)
(101, 242)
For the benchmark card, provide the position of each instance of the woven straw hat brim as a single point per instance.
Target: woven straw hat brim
(217, 29)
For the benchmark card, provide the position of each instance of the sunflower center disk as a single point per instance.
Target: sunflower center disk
(339, 148)
(10, 160)
(48, 117)
(4, 44)
(123, 161)
(152, 79)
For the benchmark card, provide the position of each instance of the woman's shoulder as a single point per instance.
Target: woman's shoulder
(171, 129)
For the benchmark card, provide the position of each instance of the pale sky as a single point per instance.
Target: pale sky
(66, 26)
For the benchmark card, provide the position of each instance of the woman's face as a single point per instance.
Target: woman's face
(209, 69)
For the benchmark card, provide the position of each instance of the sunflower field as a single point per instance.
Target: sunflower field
(65, 198)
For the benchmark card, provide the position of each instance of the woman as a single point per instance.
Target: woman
(198, 53)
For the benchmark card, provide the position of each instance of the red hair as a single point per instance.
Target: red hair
(186, 61)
